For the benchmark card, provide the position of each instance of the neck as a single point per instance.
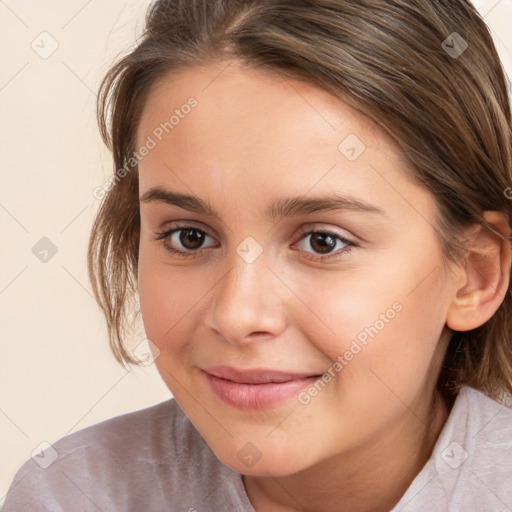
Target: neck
(370, 478)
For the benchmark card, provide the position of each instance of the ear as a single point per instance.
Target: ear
(483, 276)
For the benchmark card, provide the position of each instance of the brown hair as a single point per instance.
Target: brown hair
(449, 114)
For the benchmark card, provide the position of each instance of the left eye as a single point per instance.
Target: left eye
(324, 242)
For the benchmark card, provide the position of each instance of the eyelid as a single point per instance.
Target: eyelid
(303, 230)
(178, 226)
(321, 227)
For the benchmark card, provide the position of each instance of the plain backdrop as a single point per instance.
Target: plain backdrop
(57, 374)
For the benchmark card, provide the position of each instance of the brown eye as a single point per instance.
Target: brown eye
(191, 238)
(322, 242)
(184, 241)
(322, 245)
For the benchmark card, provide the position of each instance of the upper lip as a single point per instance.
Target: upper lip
(254, 376)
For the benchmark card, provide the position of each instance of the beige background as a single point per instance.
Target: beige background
(57, 374)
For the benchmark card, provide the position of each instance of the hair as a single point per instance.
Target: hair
(449, 114)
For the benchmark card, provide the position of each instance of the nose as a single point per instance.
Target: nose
(248, 303)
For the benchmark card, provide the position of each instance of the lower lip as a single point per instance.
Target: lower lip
(256, 396)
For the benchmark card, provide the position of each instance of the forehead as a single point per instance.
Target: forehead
(263, 135)
(237, 98)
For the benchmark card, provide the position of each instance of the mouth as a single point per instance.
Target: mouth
(256, 388)
(256, 376)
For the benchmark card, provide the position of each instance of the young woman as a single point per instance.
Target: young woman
(311, 202)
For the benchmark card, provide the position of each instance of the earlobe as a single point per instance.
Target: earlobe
(484, 276)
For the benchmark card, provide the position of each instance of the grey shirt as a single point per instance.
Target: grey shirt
(154, 459)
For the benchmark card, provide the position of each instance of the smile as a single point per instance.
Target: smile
(255, 389)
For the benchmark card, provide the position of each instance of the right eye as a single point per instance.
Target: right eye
(183, 241)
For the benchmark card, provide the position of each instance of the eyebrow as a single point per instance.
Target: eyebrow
(284, 207)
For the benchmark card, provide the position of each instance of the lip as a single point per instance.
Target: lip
(255, 388)
(255, 376)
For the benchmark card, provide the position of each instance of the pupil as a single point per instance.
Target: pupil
(324, 242)
(191, 238)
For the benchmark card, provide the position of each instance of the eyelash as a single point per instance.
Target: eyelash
(163, 235)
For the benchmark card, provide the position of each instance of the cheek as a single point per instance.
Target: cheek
(384, 323)
(167, 296)
(346, 307)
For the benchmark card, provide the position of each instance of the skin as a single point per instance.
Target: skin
(255, 137)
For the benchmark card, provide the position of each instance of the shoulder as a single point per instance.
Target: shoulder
(471, 465)
(483, 426)
(488, 442)
(132, 461)
(119, 432)
(477, 448)
(120, 438)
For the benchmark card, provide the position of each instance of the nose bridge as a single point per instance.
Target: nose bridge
(247, 299)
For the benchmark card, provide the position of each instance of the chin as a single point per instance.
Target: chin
(269, 464)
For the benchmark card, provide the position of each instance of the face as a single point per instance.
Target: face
(313, 261)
